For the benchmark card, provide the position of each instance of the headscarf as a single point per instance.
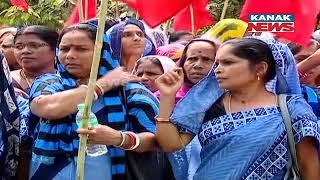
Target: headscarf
(115, 34)
(167, 64)
(226, 29)
(9, 124)
(184, 53)
(110, 108)
(287, 78)
(187, 118)
(173, 51)
(7, 30)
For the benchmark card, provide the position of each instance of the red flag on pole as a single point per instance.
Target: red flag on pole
(304, 11)
(91, 9)
(155, 12)
(201, 17)
(21, 4)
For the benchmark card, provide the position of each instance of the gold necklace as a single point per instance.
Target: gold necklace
(25, 77)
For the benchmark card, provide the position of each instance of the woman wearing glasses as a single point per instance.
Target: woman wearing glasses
(34, 48)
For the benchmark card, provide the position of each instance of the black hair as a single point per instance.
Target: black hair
(44, 33)
(89, 27)
(255, 51)
(175, 36)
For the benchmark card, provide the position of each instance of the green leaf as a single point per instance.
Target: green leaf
(25, 16)
(57, 2)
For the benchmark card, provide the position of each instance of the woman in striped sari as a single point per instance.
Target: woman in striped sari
(54, 98)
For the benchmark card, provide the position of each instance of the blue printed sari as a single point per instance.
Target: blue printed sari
(250, 144)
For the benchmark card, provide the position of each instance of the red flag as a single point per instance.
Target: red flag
(155, 12)
(201, 17)
(131, 3)
(92, 12)
(304, 11)
(21, 4)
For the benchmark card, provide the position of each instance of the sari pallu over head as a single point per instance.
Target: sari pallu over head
(183, 167)
(115, 34)
(109, 108)
(9, 124)
(191, 120)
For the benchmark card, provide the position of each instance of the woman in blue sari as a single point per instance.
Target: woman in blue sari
(237, 119)
(54, 98)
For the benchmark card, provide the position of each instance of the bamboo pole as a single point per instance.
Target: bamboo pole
(80, 11)
(224, 9)
(86, 9)
(91, 85)
(117, 10)
(192, 19)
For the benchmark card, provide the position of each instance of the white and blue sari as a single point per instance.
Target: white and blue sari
(249, 144)
(9, 124)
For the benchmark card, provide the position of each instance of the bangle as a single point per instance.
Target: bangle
(99, 90)
(94, 93)
(123, 139)
(132, 140)
(162, 120)
(135, 138)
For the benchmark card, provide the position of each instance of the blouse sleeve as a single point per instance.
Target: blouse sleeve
(304, 121)
(46, 84)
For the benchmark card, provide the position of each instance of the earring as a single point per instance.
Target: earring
(258, 77)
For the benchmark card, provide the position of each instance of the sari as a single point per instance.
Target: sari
(56, 147)
(186, 161)
(240, 145)
(9, 124)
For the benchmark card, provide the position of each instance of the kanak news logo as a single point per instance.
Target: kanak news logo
(271, 23)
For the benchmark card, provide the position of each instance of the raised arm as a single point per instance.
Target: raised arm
(309, 63)
(47, 102)
(167, 134)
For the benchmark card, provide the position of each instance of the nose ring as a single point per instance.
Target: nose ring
(218, 71)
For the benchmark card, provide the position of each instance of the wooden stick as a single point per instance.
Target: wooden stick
(192, 19)
(91, 85)
(86, 10)
(117, 10)
(80, 10)
(224, 9)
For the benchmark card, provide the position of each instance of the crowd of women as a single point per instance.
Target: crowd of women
(183, 107)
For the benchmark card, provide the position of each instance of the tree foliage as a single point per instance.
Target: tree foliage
(52, 13)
